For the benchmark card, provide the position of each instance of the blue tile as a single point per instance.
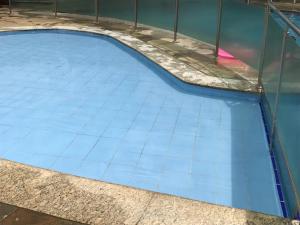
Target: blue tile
(155, 150)
(16, 132)
(44, 161)
(152, 162)
(146, 180)
(103, 151)
(204, 168)
(119, 174)
(163, 126)
(92, 170)
(80, 147)
(204, 196)
(121, 124)
(186, 128)
(113, 132)
(136, 137)
(266, 203)
(180, 151)
(142, 125)
(3, 129)
(180, 184)
(49, 142)
(182, 141)
(178, 165)
(66, 165)
(94, 127)
(130, 147)
(147, 116)
(126, 158)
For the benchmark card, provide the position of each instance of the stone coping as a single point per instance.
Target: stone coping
(187, 59)
(95, 202)
(288, 6)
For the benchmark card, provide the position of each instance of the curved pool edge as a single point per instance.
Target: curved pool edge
(173, 66)
(104, 203)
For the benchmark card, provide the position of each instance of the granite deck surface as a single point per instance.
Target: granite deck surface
(93, 202)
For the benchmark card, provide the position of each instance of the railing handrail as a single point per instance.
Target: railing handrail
(285, 18)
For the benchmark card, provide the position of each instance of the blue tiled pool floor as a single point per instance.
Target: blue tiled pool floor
(86, 106)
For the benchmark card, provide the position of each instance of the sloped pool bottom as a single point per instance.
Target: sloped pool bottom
(88, 106)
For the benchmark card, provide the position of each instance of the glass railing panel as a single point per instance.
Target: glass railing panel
(242, 30)
(288, 119)
(198, 19)
(157, 13)
(271, 70)
(34, 5)
(83, 7)
(119, 9)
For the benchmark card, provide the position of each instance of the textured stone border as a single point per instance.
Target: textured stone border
(95, 202)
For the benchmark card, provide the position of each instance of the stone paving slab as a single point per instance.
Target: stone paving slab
(93, 202)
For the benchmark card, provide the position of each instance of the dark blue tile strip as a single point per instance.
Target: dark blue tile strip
(297, 216)
(267, 125)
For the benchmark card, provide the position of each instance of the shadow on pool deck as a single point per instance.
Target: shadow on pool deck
(97, 203)
(13, 215)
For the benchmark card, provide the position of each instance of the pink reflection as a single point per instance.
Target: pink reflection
(225, 54)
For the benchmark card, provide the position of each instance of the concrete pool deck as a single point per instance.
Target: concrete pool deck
(95, 202)
(102, 203)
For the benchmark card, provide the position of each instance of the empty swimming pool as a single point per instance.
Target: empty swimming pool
(87, 105)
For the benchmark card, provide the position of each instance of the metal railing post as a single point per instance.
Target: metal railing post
(10, 6)
(96, 11)
(274, 115)
(264, 44)
(176, 19)
(55, 8)
(135, 13)
(219, 24)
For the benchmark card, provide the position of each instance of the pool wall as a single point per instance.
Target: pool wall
(242, 36)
